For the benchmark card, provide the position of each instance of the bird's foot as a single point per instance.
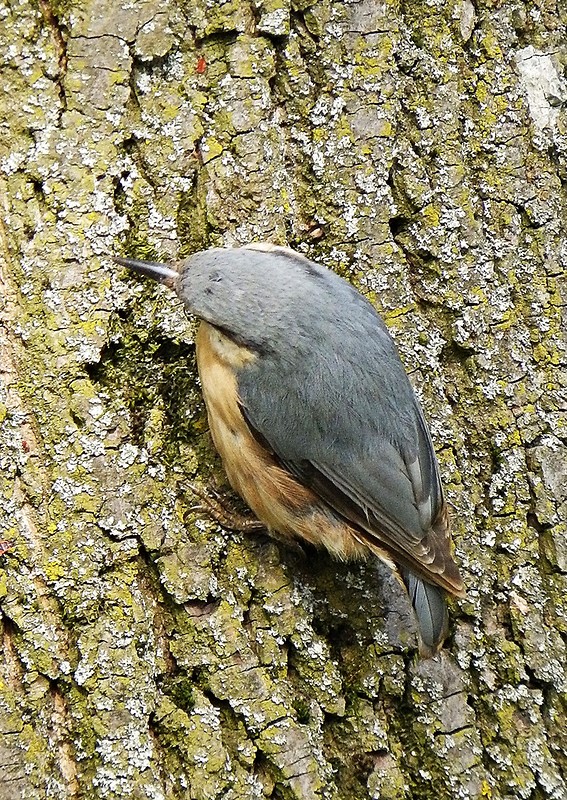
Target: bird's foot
(223, 514)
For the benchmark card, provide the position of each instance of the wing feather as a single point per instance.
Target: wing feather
(424, 550)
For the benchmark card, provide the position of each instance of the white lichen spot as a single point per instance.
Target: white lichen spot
(83, 672)
(423, 118)
(12, 163)
(128, 455)
(209, 715)
(275, 23)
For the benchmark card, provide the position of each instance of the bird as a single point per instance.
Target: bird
(314, 417)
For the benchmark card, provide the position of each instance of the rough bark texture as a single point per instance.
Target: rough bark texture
(417, 147)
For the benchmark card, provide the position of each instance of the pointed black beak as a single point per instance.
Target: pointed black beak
(159, 272)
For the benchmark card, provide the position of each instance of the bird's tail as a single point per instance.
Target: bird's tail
(430, 609)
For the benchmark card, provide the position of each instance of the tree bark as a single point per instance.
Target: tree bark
(417, 148)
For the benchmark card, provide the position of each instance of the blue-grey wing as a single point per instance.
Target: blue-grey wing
(355, 435)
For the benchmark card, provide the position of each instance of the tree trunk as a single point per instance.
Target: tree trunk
(419, 149)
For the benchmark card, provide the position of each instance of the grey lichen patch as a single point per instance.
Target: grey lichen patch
(315, 667)
(274, 17)
(198, 761)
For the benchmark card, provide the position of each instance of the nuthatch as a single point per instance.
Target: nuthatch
(314, 417)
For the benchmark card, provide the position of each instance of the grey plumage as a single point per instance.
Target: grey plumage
(430, 608)
(330, 399)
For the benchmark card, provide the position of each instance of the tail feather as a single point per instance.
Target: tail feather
(430, 609)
